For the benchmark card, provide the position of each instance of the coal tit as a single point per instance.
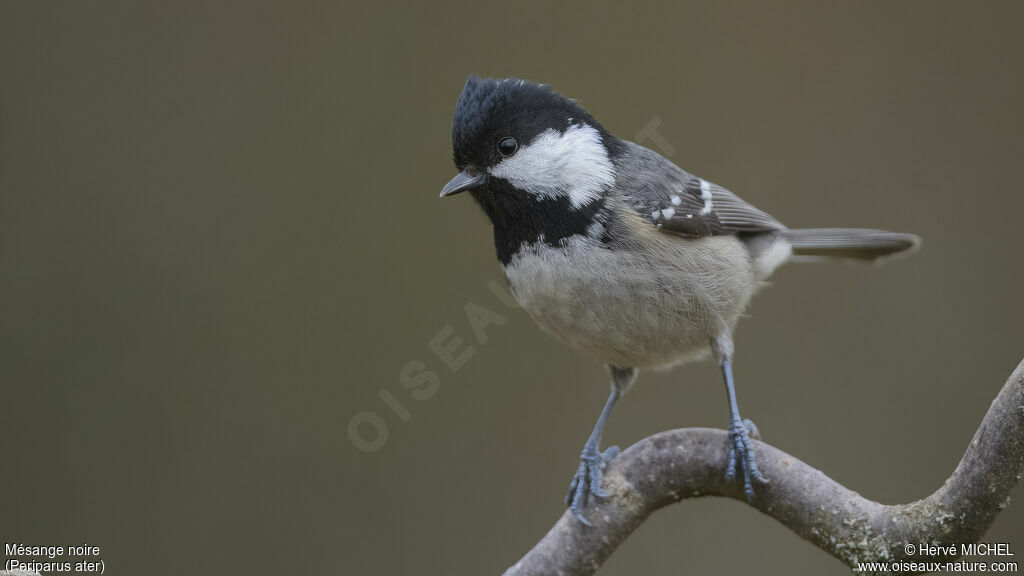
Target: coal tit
(618, 252)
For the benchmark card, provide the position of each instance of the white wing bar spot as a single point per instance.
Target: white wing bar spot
(705, 195)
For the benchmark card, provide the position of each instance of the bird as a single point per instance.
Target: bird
(622, 255)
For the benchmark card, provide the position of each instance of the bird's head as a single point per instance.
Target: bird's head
(510, 136)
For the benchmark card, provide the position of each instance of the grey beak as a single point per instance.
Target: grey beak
(463, 181)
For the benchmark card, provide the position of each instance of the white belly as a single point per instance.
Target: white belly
(650, 309)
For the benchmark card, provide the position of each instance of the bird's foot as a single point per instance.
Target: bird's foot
(741, 454)
(588, 479)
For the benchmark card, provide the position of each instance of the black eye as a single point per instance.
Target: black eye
(508, 146)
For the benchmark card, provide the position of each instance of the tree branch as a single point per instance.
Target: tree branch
(670, 466)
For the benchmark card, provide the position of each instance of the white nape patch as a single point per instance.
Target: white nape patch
(676, 200)
(668, 213)
(705, 195)
(574, 164)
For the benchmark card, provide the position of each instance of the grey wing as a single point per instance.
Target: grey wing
(681, 203)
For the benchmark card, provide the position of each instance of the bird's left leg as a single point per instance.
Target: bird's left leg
(741, 453)
(592, 461)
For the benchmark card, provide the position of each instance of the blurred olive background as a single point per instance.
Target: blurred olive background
(220, 240)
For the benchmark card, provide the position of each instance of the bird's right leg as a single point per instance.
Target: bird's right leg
(741, 452)
(592, 461)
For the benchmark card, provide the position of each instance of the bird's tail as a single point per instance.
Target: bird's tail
(850, 243)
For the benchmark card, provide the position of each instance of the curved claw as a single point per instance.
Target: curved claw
(583, 519)
(587, 480)
(752, 430)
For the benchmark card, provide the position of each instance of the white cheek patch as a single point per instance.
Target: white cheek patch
(574, 164)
